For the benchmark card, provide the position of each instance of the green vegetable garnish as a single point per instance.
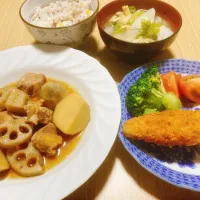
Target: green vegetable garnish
(132, 9)
(171, 102)
(148, 95)
(118, 27)
(125, 19)
(134, 16)
(126, 10)
(149, 111)
(149, 30)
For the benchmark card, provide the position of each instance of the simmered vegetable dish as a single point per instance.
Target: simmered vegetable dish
(39, 118)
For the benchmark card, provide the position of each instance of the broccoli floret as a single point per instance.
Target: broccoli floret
(146, 93)
(149, 111)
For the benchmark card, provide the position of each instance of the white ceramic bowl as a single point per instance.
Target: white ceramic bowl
(71, 35)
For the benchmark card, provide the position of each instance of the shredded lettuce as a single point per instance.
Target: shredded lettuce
(149, 29)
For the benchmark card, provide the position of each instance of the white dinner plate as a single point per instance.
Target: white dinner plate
(96, 86)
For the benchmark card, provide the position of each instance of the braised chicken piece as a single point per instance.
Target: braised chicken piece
(31, 83)
(32, 109)
(38, 114)
(45, 115)
(46, 140)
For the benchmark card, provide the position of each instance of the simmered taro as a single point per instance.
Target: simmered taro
(72, 114)
(52, 93)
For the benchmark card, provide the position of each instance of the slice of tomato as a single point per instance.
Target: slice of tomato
(178, 77)
(170, 82)
(190, 87)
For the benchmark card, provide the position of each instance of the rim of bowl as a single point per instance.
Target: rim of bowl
(174, 33)
(35, 26)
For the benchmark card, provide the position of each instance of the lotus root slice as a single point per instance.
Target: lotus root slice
(26, 162)
(15, 132)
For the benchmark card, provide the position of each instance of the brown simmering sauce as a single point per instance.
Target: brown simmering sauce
(69, 143)
(68, 146)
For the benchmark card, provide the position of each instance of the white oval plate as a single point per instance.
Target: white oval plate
(96, 86)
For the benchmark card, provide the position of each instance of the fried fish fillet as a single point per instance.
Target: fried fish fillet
(167, 128)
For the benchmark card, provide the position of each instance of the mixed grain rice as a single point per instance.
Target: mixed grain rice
(62, 13)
